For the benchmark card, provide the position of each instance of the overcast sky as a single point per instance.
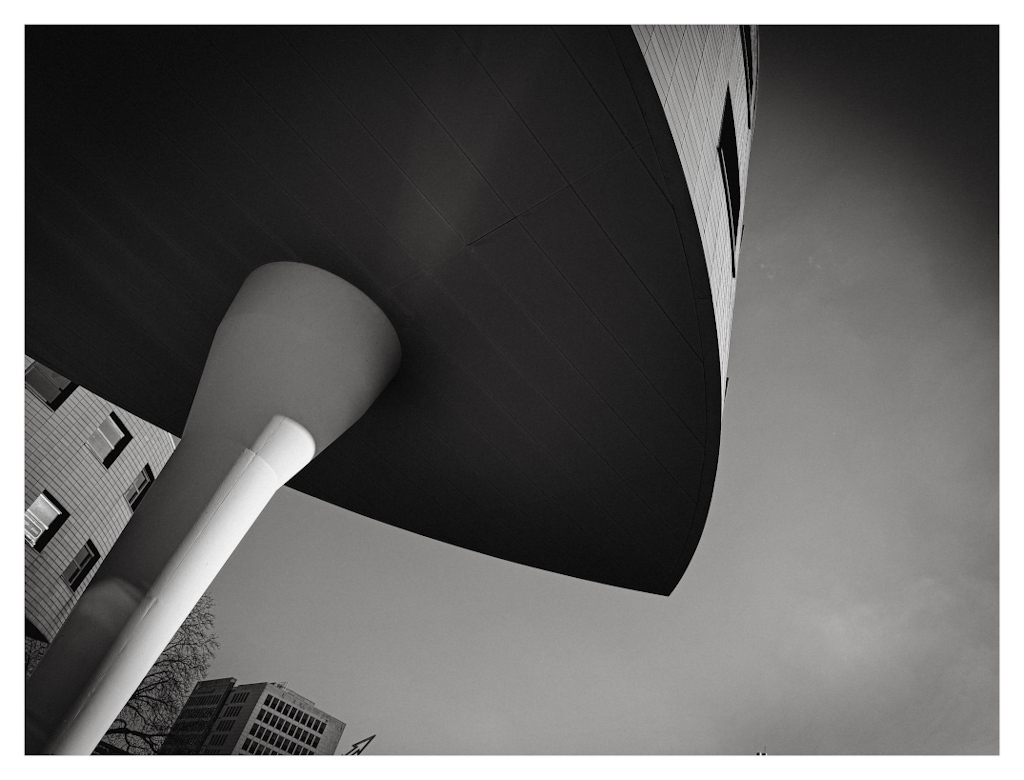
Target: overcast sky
(844, 596)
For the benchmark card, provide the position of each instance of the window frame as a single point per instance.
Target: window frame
(62, 393)
(728, 162)
(75, 580)
(134, 502)
(118, 447)
(50, 531)
(747, 45)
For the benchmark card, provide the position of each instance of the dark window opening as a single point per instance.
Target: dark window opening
(47, 385)
(43, 519)
(109, 440)
(135, 492)
(79, 568)
(748, 67)
(728, 158)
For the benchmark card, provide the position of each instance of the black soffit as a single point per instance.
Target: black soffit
(510, 197)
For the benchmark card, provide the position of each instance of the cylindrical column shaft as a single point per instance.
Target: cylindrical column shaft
(207, 497)
(298, 358)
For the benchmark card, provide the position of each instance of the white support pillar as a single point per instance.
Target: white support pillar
(298, 358)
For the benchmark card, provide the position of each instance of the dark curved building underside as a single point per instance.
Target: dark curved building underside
(510, 197)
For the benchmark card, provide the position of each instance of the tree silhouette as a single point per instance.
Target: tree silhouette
(141, 727)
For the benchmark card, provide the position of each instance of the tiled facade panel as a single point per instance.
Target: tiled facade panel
(692, 67)
(58, 459)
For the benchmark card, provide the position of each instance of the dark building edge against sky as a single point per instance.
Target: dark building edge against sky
(696, 261)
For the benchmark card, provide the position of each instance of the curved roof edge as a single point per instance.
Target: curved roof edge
(686, 220)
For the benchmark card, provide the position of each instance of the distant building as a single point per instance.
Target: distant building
(221, 718)
(88, 464)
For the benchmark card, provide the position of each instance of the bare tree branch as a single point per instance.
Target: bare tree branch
(143, 723)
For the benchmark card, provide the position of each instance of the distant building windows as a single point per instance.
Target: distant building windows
(47, 385)
(241, 696)
(728, 158)
(43, 519)
(79, 568)
(109, 440)
(134, 495)
(225, 725)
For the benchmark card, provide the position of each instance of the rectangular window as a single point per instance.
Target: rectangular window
(133, 495)
(43, 519)
(267, 700)
(748, 66)
(47, 385)
(80, 567)
(316, 742)
(245, 745)
(728, 158)
(109, 440)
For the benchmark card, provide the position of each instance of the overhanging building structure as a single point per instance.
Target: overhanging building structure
(550, 219)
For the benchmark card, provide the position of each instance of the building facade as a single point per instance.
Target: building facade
(88, 464)
(706, 77)
(221, 718)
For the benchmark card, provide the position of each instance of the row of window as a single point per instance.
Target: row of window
(295, 713)
(231, 712)
(290, 729)
(279, 741)
(256, 749)
(240, 696)
(728, 153)
(46, 515)
(42, 521)
(225, 725)
(111, 436)
(44, 518)
(203, 700)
